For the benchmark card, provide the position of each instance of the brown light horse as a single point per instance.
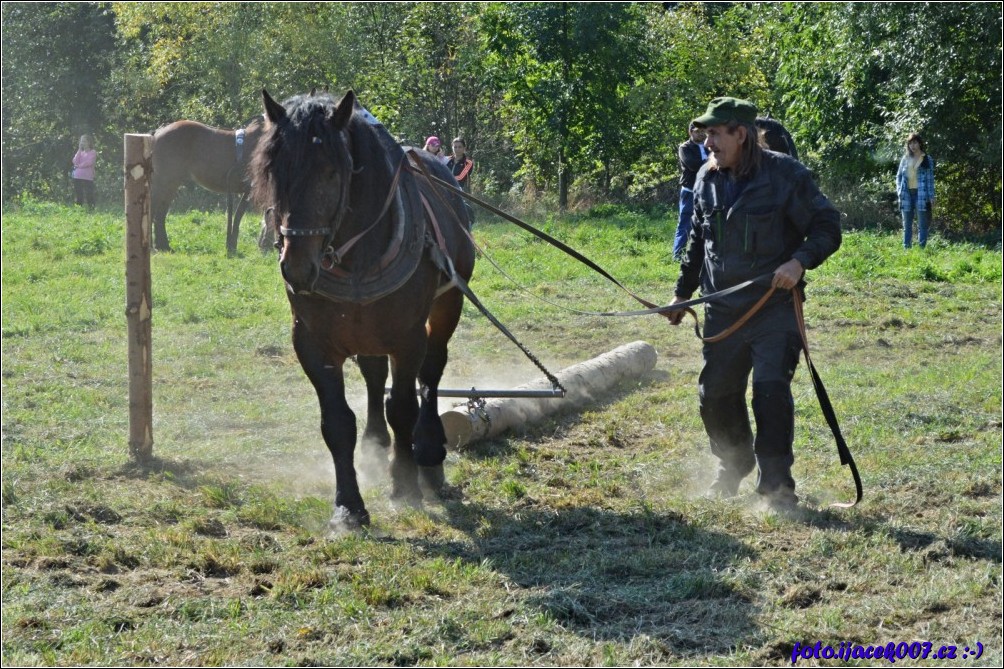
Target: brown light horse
(367, 247)
(189, 151)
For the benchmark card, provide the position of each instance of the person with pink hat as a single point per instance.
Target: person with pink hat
(435, 147)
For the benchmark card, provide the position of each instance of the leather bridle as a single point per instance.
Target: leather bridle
(332, 257)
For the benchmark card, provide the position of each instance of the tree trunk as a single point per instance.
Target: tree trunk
(563, 178)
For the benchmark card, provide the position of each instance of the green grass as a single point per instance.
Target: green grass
(581, 540)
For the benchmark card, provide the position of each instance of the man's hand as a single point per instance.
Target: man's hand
(788, 275)
(676, 316)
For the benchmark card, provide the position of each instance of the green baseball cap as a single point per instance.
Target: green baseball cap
(724, 110)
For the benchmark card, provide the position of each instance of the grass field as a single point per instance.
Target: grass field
(582, 540)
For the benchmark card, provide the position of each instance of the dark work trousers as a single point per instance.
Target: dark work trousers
(83, 192)
(769, 346)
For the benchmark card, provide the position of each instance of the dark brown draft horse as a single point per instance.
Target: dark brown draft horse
(188, 151)
(777, 136)
(366, 250)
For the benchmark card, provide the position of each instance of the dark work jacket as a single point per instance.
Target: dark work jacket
(778, 216)
(689, 154)
(461, 170)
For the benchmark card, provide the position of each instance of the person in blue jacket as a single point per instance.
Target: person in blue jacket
(915, 188)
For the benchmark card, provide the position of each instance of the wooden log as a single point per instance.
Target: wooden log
(138, 167)
(585, 382)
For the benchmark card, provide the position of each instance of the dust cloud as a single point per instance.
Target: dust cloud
(309, 470)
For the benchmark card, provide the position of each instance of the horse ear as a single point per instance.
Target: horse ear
(313, 91)
(273, 110)
(343, 112)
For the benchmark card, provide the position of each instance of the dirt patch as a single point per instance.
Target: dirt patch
(801, 596)
(99, 514)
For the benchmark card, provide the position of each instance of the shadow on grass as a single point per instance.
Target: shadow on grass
(933, 546)
(617, 576)
(937, 548)
(184, 473)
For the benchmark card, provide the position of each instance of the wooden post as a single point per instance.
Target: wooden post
(138, 167)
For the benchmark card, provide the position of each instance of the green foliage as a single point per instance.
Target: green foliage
(684, 74)
(566, 70)
(56, 58)
(563, 105)
(857, 78)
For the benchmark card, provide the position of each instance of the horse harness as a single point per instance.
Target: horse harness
(396, 265)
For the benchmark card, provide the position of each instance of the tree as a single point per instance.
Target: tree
(696, 51)
(209, 61)
(857, 78)
(558, 96)
(565, 70)
(51, 90)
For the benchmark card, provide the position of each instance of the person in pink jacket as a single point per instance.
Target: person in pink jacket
(83, 172)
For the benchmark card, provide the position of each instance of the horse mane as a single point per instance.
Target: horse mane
(253, 121)
(287, 152)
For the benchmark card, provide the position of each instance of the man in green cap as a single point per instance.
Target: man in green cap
(757, 213)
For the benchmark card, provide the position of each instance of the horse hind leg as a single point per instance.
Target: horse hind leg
(376, 439)
(160, 201)
(402, 414)
(375, 371)
(430, 437)
(234, 226)
(266, 235)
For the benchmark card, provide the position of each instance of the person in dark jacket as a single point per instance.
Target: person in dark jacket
(692, 155)
(757, 213)
(461, 164)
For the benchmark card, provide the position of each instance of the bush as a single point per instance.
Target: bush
(868, 203)
(968, 200)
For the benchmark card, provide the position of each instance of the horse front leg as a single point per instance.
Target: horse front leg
(234, 227)
(338, 427)
(266, 234)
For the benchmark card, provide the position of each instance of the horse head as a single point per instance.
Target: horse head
(301, 170)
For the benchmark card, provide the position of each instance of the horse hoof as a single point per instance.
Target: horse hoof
(344, 520)
(411, 498)
(432, 481)
(377, 439)
(429, 455)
